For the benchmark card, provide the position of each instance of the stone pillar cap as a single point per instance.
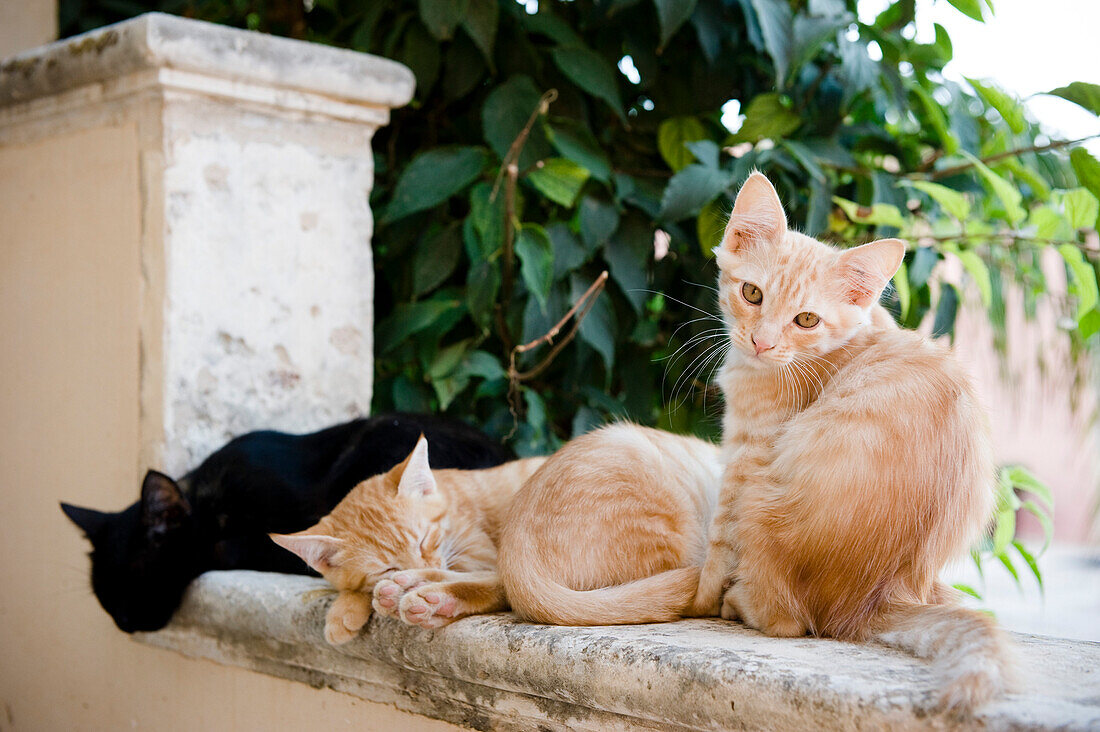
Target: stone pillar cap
(157, 41)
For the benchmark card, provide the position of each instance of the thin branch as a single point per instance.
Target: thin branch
(962, 167)
(578, 312)
(580, 309)
(509, 175)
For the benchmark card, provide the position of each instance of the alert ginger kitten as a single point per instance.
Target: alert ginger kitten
(857, 457)
(416, 544)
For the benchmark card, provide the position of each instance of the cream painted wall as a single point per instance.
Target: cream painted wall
(69, 414)
(25, 24)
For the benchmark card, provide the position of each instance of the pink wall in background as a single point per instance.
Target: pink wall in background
(1030, 409)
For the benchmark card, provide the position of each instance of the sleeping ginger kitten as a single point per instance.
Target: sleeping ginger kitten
(858, 458)
(423, 543)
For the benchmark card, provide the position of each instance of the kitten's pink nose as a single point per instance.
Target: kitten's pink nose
(761, 345)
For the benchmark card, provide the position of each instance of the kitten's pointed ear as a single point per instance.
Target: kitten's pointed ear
(316, 550)
(757, 215)
(163, 505)
(417, 480)
(866, 269)
(87, 520)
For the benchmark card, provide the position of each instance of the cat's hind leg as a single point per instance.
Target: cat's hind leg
(436, 604)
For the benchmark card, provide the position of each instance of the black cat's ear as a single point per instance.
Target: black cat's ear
(163, 505)
(87, 520)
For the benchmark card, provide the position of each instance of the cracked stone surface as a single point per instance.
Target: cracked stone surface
(494, 672)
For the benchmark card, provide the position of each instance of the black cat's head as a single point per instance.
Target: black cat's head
(142, 557)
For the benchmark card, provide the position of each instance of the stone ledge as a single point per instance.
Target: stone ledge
(492, 671)
(159, 41)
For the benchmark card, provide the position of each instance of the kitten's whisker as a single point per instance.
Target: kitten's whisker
(686, 377)
(681, 302)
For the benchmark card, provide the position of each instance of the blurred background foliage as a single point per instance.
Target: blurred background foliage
(497, 207)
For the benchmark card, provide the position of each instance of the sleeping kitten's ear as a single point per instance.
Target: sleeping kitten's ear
(417, 480)
(316, 550)
(757, 215)
(87, 520)
(866, 270)
(163, 505)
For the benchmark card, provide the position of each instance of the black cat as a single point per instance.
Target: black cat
(218, 515)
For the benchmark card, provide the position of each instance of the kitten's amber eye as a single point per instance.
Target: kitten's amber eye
(806, 320)
(752, 293)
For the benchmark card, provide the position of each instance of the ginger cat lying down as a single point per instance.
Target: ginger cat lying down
(422, 542)
(611, 529)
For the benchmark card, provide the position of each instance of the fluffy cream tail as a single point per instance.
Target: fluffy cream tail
(656, 599)
(972, 657)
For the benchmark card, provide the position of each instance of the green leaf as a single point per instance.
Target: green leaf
(487, 219)
(1089, 324)
(672, 134)
(777, 28)
(447, 359)
(463, 68)
(1081, 208)
(767, 117)
(436, 258)
(1049, 223)
(671, 14)
(1005, 191)
(805, 156)
(979, 273)
(1081, 93)
(1006, 105)
(409, 319)
(810, 34)
(598, 221)
(441, 17)
(946, 311)
(592, 73)
(483, 365)
(1025, 480)
(951, 201)
(410, 397)
(690, 190)
(706, 152)
(879, 214)
(710, 226)
(1084, 278)
(1004, 530)
(901, 286)
(1087, 169)
(504, 115)
(936, 118)
(432, 177)
(482, 286)
(967, 589)
(970, 8)
(598, 327)
(560, 180)
(1044, 518)
(420, 52)
(536, 258)
(574, 141)
(481, 23)
(545, 23)
(1032, 563)
(924, 261)
(1004, 559)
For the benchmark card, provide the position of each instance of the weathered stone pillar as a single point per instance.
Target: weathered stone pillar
(240, 166)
